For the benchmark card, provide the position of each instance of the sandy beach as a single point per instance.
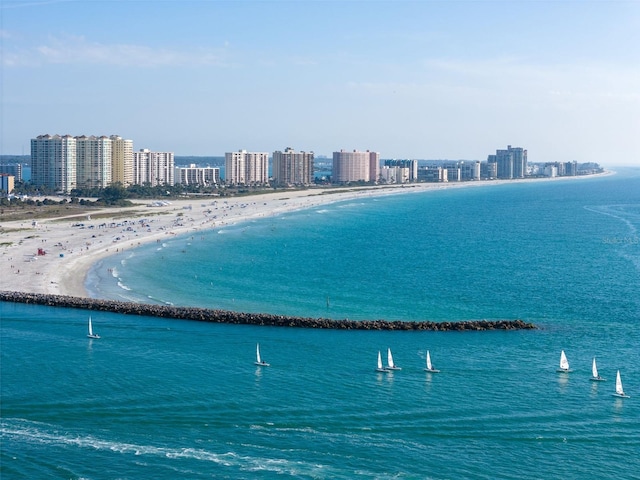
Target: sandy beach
(53, 255)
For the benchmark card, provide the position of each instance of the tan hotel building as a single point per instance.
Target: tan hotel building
(355, 166)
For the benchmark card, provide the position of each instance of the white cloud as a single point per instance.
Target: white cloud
(78, 50)
(492, 80)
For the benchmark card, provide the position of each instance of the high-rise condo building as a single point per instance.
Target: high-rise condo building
(519, 161)
(93, 157)
(121, 160)
(292, 168)
(356, 166)
(153, 168)
(246, 168)
(510, 163)
(374, 166)
(53, 162)
(504, 159)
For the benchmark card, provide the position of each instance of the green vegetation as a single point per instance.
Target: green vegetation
(80, 201)
(117, 192)
(30, 210)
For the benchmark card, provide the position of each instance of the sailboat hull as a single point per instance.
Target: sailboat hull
(563, 370)
(598, 379)
(432, 370)
(262, 364)
(620, 395)
(93, 335)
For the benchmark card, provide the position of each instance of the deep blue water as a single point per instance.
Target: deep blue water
(158, 398)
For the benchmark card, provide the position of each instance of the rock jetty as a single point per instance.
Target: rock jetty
(238, 318)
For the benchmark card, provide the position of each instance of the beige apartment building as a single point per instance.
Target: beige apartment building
(53, 162)
(121, 160)
(292, 168)
(153, 168)
(355, 166)
(93, 160)
(246, 168)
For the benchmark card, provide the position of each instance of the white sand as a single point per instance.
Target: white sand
(70, 251)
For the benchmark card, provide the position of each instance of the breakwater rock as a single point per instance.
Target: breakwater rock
(238, 318)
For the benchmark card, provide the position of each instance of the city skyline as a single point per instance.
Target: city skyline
(423, 80)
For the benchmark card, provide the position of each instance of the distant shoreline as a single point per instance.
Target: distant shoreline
(70, 250)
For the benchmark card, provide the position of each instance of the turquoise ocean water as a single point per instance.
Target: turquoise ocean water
(167, 399)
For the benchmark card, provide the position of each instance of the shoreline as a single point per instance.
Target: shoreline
(71, 250)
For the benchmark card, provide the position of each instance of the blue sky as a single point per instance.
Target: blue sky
(409, 79)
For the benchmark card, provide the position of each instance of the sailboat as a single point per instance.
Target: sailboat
(390, 364)
(430, 368)
(619, 390)
(380, 367)
(594, 372)
(259, 361)
(564, 363)
(91, 334)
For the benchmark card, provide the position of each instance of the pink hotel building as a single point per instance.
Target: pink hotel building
(355, 166)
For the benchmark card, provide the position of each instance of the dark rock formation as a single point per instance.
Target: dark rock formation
(223, 316)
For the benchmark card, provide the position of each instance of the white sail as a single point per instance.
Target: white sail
(564, 363)
(259, 360)
(90, 333)
(595, 377)
(619, 389)
(430, 368)
(390, 364)
(379, 361)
